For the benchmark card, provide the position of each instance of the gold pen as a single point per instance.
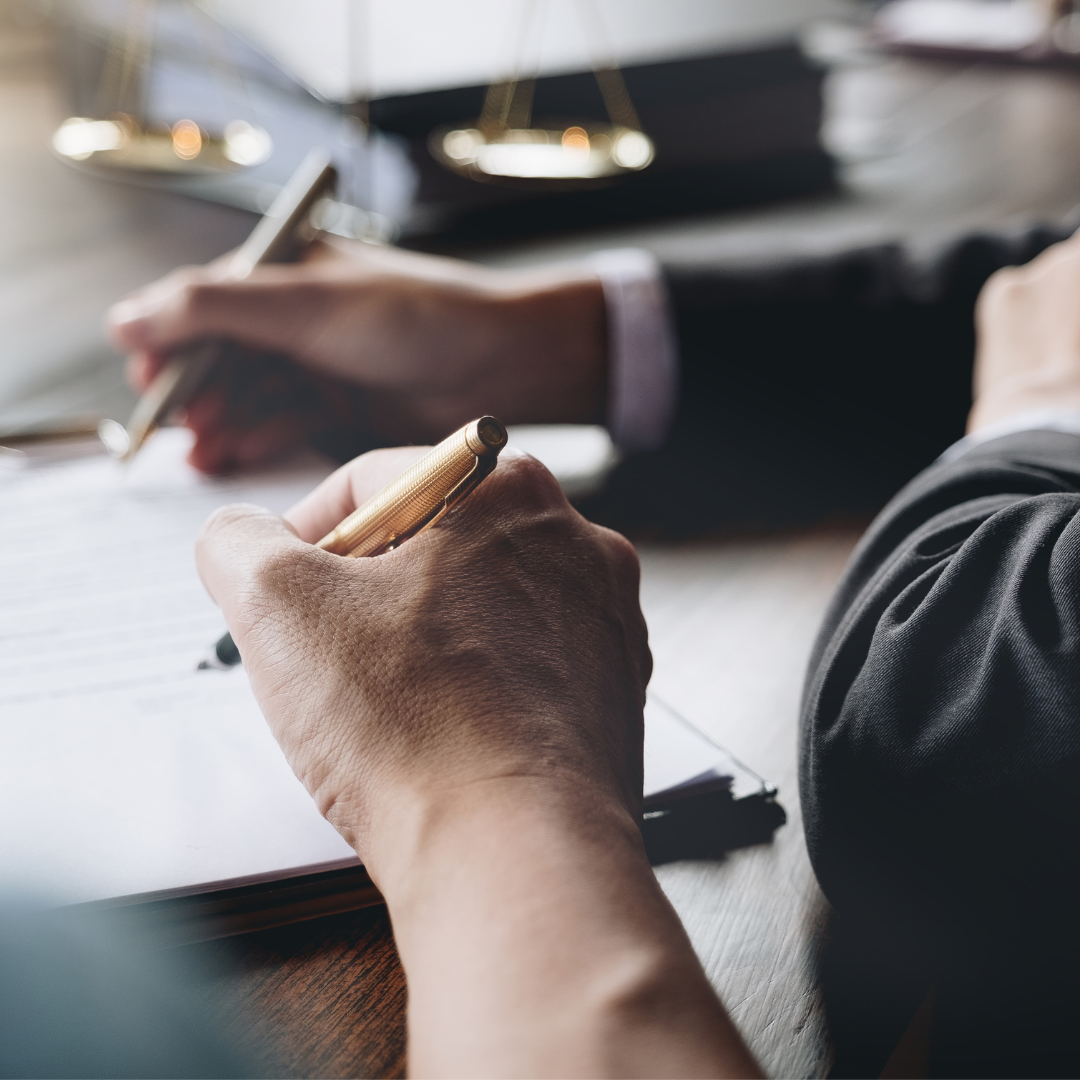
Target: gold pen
(274, 239)
(413, 502)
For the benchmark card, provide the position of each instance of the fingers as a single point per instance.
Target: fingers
(230, 434)
(234, 551)
(347, 488)
(519, 484)
(141, 369)
(271, 309)
(1028, 337)
(223, 450)
(254, 408)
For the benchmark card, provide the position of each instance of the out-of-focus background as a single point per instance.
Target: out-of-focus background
(140, 135)
(778, 125)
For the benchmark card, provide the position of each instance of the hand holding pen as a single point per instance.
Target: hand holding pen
(510, 633)
(278, 237)
(466, 710)
(417, 499)
(357, 345)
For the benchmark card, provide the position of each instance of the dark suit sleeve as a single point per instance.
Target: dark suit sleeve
(813, 384)
(874, 341)
(940, 769)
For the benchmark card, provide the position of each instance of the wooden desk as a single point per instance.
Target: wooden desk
(930, 148)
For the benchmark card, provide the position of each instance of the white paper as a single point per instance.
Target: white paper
(123, 769)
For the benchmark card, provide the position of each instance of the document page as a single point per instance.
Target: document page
(123, 769)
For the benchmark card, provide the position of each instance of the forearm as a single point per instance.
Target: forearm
(549, 355)
(537, 942)
(529, 347)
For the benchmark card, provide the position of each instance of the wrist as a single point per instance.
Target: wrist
(535, 894)
(415, 830)
(529, 349)
(551, 361)
(1038, 390)
(1015, 376)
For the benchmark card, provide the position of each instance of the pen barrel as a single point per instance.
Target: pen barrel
(417, 497)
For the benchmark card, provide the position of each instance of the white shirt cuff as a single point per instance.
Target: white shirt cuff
(643, 370)
(1049, 419)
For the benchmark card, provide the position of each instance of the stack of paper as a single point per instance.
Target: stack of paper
(124, 771)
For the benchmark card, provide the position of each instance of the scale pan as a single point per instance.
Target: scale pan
(185, 149)
(553, 152)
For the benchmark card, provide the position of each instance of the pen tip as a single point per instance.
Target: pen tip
(214, 661)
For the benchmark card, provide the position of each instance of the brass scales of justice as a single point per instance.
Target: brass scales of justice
(118, 137)
(504, 144)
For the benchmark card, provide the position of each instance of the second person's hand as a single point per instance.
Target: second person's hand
(360, 346)
(1028, 321)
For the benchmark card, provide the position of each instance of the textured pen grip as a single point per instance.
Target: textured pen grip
(415, 497)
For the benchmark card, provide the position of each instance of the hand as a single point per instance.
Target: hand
(467, 711)
(506, 642)
(1028, 330)
(380, 345)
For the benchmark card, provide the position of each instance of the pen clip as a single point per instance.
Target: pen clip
(482, 468)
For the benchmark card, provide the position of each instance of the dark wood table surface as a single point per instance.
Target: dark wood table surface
(927, 148)
(323, 998)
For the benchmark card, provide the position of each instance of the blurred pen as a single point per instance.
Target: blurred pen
(276, 238)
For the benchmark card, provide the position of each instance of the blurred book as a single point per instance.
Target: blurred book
(731, 127)
(1021, 31)
(365, 49)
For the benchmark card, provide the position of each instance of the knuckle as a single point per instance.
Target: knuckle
(230, 517)
(1060, 253)
(1003, 288)
(527, 478)
(1003, 281)
(193, 297)
(276, 570)
(623, 551)
(236, 534)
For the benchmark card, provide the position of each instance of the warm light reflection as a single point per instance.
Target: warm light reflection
(632, 150)
(576, 139)
(78, 137)
(542, 153)
(246, 144)
(121, 143)
(187, 139)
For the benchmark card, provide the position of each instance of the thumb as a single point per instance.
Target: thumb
(268, 310)
(250, 560)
